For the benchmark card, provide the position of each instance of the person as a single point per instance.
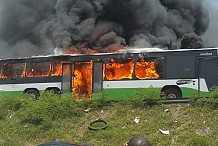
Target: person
(138, 141)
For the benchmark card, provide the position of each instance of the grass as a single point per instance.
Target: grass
(24, 122)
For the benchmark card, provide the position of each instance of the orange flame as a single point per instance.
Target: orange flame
(57, 69)
(71, 51)
(119, 70)
(116, 48)
(145, 70)
(124, 70)
(13, 70)
(81, 51)
(38, 69)
(82, 71)
(82, 79)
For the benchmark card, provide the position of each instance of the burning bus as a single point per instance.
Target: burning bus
(176, 73)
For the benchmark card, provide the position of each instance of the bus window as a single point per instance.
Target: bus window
(15, 70)
(19, 70)
(158, 63)
(7, 71)
(145, 68)
(180, 67)
(41, 69)
(56, 69)
(117, 70)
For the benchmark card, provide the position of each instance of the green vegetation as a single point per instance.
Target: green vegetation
(24, 122)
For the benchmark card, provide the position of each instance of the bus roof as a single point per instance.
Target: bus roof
(142, 50)
(123, 51)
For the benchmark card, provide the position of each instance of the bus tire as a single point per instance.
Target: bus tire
(54, 90)
(172, 93)
(33, 93)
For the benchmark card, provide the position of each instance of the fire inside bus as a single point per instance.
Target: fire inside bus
(174, 73)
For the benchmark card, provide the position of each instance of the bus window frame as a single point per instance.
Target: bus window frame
(117, 60)
(35, 63)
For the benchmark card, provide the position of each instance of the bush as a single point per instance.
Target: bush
(214, 91)
(14, 103)
(98, 103)
(146, 97)
(50, 107)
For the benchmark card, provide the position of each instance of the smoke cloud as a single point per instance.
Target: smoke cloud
(30, 27)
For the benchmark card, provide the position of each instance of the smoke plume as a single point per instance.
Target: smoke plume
(31, 27)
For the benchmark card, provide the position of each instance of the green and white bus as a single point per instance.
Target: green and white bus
(176, 73)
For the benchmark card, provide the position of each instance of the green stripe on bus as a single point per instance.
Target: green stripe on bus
(189, 92)
(132, 93)
(123, 93)
(126, 93)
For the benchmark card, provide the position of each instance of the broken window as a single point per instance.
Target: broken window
(13, 70)
(117, 70)
(38, 69)
(147, 68)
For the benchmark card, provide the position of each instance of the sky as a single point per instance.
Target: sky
(211, 36)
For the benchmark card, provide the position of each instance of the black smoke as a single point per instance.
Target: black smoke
(191, 41)
(31, 27)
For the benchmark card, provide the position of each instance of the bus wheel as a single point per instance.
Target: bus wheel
(172, 93)
(34, 94)
(54, 90)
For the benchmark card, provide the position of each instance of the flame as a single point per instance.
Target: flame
(81, 51)
(7, 71)
(82, 79)
(57, 69)
(32, 70)
(38, 69)
(115, 70)
(82, 71)
(13, 70)
(145, 70)
(71, 51)
(116, 48)
(119, 70)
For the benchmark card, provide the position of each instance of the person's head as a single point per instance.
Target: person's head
(139, 141)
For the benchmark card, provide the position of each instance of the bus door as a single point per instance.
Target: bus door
(67, 77)
(82, 79)
(97, 77)
(208, 71)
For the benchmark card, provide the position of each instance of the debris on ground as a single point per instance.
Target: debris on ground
(87, 110)
(164, 131)
(136, 120)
